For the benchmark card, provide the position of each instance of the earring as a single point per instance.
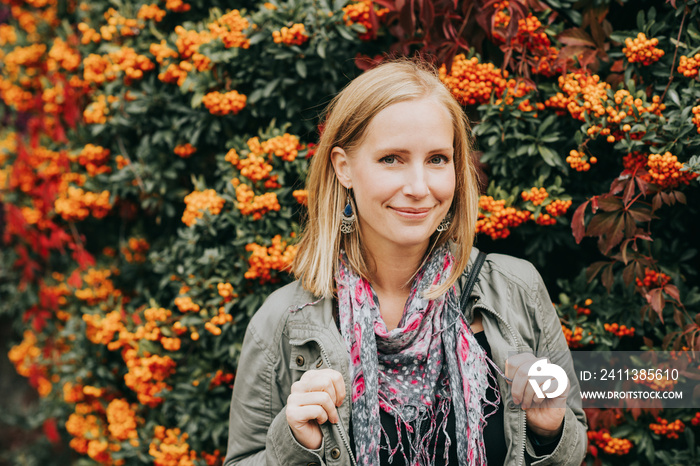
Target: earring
(445, 223)
(347, 224)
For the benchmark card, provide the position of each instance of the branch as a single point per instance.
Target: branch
(675, 54)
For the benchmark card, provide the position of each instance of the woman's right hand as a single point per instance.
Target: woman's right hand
(313, 400)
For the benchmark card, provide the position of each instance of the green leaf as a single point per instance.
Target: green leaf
(301, 68)
(549, 156)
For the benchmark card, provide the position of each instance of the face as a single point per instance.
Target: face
(402, 175)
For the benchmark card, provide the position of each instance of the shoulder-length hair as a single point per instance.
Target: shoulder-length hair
(346, 120)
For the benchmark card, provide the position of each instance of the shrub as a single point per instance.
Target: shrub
(151, 181)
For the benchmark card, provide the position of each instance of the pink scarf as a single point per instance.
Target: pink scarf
(429, 364)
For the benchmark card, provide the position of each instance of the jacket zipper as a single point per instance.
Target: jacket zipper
(515, 342)
(340, 427)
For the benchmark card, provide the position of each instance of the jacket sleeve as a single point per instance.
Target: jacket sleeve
(258, 429)
(571, 449)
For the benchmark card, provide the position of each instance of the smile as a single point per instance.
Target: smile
(410, 213)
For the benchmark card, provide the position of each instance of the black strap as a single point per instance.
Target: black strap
(471, 279)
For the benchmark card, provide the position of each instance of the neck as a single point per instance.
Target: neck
(393, 269)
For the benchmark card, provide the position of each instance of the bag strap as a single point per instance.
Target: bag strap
(471, 279)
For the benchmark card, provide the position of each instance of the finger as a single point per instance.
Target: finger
(299, 416)
(328, 380)
(316, 383)
(298, 401)
(530, 397)
(520, 383)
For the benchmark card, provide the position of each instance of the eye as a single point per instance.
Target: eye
(388, 159)
(439, 159)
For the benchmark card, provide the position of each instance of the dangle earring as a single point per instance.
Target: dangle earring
(347, 224)
(445, 223)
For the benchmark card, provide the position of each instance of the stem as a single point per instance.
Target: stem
(675, 54)
(122, 148)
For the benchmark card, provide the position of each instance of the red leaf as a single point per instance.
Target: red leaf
(640, 214)
(576, 36)
(680, 197)
(607, 278)
(602, 224)
(587, 58)
(629, 192)
(593, 269)
(672, 291)
(656, 299)
(578, 226)
(678, 317)
(618, 66)
(75, 280)
(610, 203)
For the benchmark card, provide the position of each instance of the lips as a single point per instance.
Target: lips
(412, 212)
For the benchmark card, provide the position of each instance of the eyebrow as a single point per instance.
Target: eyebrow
(406, 151)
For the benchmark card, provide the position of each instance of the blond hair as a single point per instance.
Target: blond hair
(346, 120)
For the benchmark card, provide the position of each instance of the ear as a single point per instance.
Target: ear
(341, 165)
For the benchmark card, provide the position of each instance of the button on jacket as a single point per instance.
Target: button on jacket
(294, 332)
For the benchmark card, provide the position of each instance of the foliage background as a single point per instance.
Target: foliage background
(152, 159)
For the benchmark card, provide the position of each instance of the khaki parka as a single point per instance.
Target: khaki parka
(294, 332)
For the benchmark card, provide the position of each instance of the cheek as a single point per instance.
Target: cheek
(444, 187)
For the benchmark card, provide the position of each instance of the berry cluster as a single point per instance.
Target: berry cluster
(147, 12)
(667, 429)
(619, 330)
(558, 207)
(248, 203)
(229, 28)
(696, 117)
(360, 13)
(609, 444)
(501, 16)
(696, 420)
(197, 202)
(76, 204)
(63, 56)
(472, 82)
(176, 74)
(495, 219)
(184, 150)
(285, 147)
(301, 195)
(94, 158)
(573, 338)
(642, 50)
(535, 195)
(185, 304)
(689, 66)
(223, 104)
(177, 6)
(665, 171)
(136, 250)
(653, 279)
(263, 260)
(226, 291)
(583, 310)
(295, 35)
(132, 64)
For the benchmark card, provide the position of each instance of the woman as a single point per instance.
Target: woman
(366, 358)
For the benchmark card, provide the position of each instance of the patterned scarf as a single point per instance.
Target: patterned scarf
(429, 364)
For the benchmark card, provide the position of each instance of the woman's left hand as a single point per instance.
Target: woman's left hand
(544, 415)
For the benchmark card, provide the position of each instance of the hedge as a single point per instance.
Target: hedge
(152, 160)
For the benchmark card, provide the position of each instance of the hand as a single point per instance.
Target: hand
(544, 415)
(313, 401)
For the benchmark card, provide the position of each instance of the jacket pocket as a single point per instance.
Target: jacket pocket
(305, 356)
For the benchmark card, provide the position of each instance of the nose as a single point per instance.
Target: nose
(416, 183)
